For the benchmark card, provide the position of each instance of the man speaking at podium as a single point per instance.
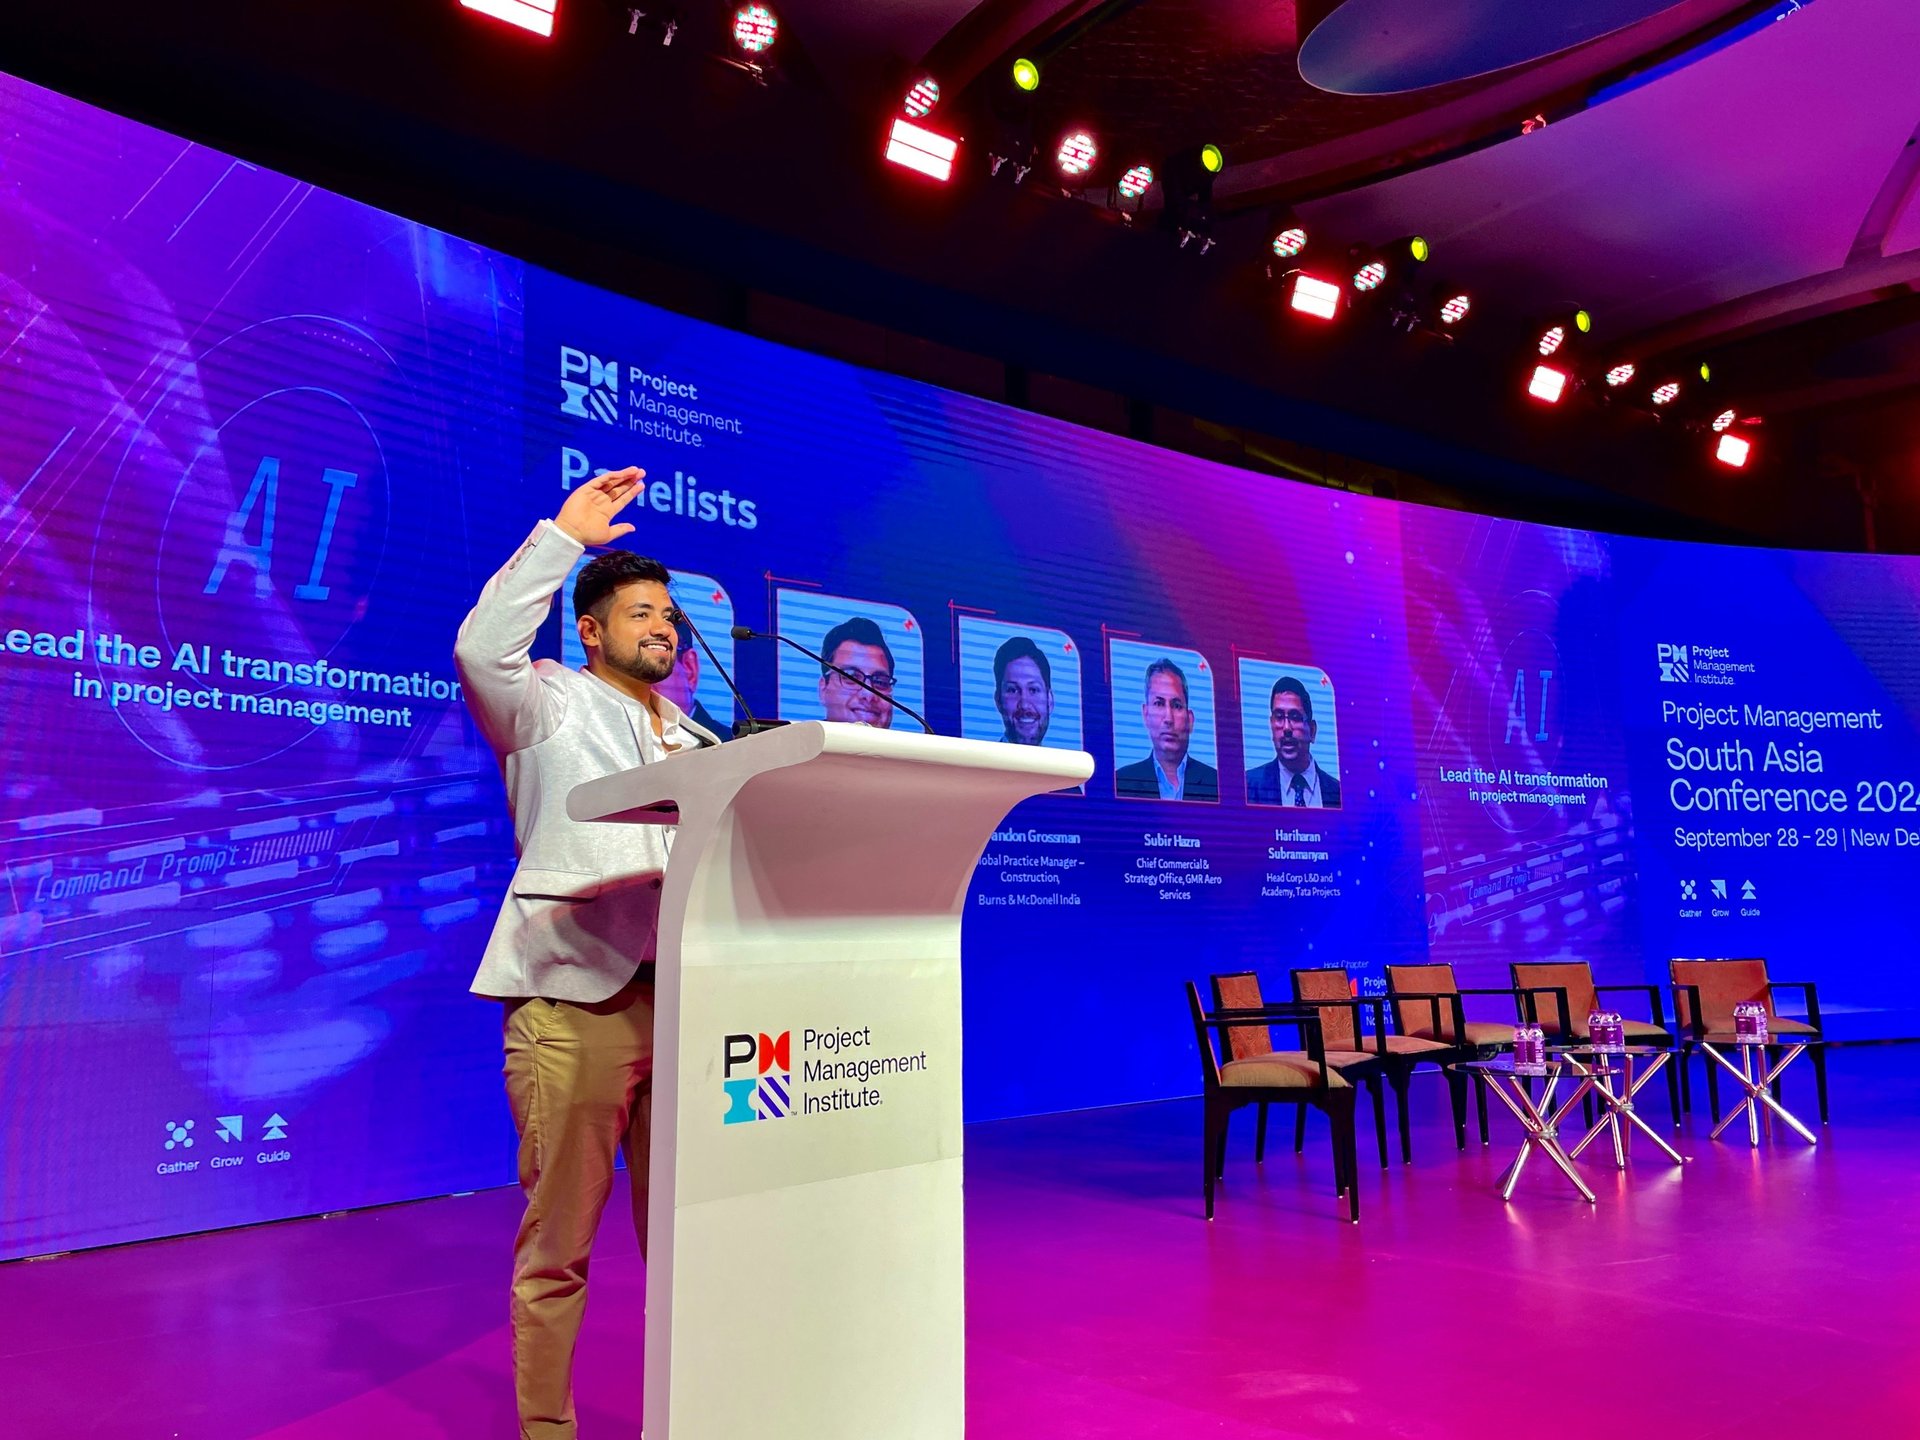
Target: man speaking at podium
(571, 954)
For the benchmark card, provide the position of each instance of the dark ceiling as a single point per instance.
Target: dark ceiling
(1714, 183)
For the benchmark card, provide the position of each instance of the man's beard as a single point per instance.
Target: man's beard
(649, 666)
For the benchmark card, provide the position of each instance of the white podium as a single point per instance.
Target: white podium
(805, 1265)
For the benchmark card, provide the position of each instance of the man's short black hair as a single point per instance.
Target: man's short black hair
(1164, 666)
(861, 631)
(604, 576)
(1287, 685)
(1020, 647)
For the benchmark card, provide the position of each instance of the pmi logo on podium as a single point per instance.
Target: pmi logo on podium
(765, 1090)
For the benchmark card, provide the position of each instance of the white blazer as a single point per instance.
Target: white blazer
(583, 910)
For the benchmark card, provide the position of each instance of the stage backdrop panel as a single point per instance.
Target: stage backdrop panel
(260, 446)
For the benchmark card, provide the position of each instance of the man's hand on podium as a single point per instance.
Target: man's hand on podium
(588, 514)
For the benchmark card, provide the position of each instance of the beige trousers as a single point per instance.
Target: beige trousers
(580, 1081)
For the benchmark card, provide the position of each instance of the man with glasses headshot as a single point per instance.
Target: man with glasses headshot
(855, 647)
(1292, 777)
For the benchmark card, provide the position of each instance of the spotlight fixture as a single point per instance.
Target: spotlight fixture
(1723, 421)
(1733, 450)
(1286, 236)
(1076, 154)
(755, 28)
(1136, 182)
(1559, 328)
(917, 148)
(1706, 371)
(1369, 275)
(531, 15)
(1549, 383)
(1186, 185)
(1011, 148)
(1311, 295)
(921, 99)
(1454, 308)
(1665, 394)
(1620, 374)
(658, 21)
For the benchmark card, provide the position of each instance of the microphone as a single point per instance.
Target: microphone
(748, 726)
(747, 632)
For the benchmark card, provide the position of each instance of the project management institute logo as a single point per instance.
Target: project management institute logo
(1673, 663)
(590, 386)
(766, 1091)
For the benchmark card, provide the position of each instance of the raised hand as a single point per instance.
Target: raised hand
(588, 514)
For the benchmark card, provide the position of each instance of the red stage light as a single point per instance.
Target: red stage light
(1723, 421)
(1076, 153)
(1455, 309)
(755, 28)
(921, 149)
(1733, 450)
(1369, 276)
(1136, 182)
(1552, 339)
(1290, 242)
(1311, 296)
(1664, 394)
(921, 99)
(1621, 373)
(1547, 384)
(534, 15)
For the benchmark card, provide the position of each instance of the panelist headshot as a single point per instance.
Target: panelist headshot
(856, 651)
(1295, 775)
(1022, 691)
(871, 653)
(1019, 685)
(1171, 770)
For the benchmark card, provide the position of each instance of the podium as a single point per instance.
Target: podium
(805, 1272)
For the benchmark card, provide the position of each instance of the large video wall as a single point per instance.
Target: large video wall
(261, 445)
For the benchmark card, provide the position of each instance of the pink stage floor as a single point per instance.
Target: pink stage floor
(1773, 1291)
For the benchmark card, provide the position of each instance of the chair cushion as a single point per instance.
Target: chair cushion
(1634, 1030)
(1413, 1045)
(1488, 1032)
(1341, 1059)
(1779, 1028)
(1280, 1070)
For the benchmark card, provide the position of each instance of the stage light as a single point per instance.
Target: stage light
(1620, 374)
(1706, 371)
(1136, 182)
(1186, 187)
(1547, 384)
(1289, 242)
(1454, 308)
(1552, 339)
(918, 148)
(1723, 420)
(1076, 154)
(1733, 450)
(1583, 322)
(1026, 75)
(755, 28)
(1665, 394)
(533, 15)
(921, 99)
(1369, 276)
(1311, 295)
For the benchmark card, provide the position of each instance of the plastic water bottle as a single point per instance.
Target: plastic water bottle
(1607, 1031)
(1750, 1021)
(1529, 1048)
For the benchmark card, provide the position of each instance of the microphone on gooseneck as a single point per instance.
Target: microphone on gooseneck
(748, 726)
(747, 632)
